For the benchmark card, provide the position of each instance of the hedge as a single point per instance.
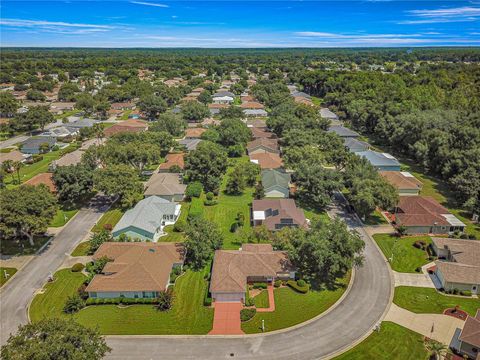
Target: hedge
(247, 314)
(301, 289)
(260, 285)
(117, 301)
(277, 283)
(78, 267)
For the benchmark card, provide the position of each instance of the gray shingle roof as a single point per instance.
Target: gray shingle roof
(379, 159)
(190, 144)
(355, 145)
(327, 114)
(272, 178)
(343, 131)
(35, 142)
(82, 123)
(147, 214)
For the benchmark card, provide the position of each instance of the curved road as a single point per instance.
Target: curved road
(352, 319)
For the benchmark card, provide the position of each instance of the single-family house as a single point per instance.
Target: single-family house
(71, 158)
(458, 264)
(34, 145)
(267, 160)
(172, 160)
(194, 133)
(222, 99)
(135, 270)
(224, 93)
(424, 215)
(276, 184)
(190, 144)
(252, 105)
(300, 94)
(261, 133)
(405, 182)
(60, 107)
(276, 214)
(43, 178)
(123, 105)
(165, 185)
(343, 132)
(381, 161)
(467, 340)
(82, 123)
(147, 219)
(131, 125)
(263, 145)
(255, 113)
(232, 270)
(354, 145)
(61, 132)
(257, 123)
(13, 155)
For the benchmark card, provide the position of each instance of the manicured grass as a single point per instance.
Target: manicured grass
(261, 300)
(187, 316)
(10, 271)
(406, 257)
(112, 217)
(392, 342)
(51, 302)
(81, 249)
(426, 300)
(62, 217)
(292, 308)
(125, 115)
(22, 247)
(6, 150)
(312, 214)
(375, 218)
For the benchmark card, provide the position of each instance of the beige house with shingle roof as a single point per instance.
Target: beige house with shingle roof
(137, 270)
(459, 264)
(233, 269)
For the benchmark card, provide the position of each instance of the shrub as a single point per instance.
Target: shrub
(175, 169)
(301, 283)
(91, 301)
(472, 237)
(260, 285)
(210, 202)
(37, 158)
(419, 244)
(81, 292)
(78, 267)
(176, 271)
(277, 283)
(466, 293)
(418, 269)
(247, 314)
(293, 284)
(180, 225)
(74, 303)
(164, 301)
(194, 189)
(249, 301)
(209, 196)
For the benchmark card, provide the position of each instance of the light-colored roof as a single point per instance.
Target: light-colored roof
(194, 132)
(471, 330)
(401, 180)
(267, 160)
(261, 133)
(355, 145)
(147, 214)
(136, 266)
(255, 112)
(342, 131)
(326, 113)
(251, 105)
(231, 268)
(70, 159)
(164, 184)
(82, 123)
(270, 144)
(43, 178)
(462, 251)
(459, 273)
(271, 178)
(171, 160)
(13, 155)
(190, 144)
(379, 159)
(279, 213)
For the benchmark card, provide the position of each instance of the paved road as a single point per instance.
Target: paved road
(17, 293)
(20, 138)
(363, 307)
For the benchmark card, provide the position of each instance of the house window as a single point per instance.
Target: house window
(93, 294)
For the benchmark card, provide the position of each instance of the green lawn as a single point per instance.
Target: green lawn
(10, 272)
(187, 316)
(406, 257)
(292, 308)
(81, 249)
(22, 247)
(261, 300)
(375, 218)
(112, 217)
(392, 342)
(62, 217)
(125, 115)
(426, 300)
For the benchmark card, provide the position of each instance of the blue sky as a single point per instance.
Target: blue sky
(155, 23)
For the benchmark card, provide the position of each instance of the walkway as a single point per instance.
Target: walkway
(349, 322)
(435, 326)
(412, 279)
(271, 301)
(226, 320)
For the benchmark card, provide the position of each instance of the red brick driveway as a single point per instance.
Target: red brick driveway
(226, 320)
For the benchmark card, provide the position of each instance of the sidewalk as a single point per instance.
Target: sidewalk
(435, 326)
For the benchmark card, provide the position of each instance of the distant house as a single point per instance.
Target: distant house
(458, 266)
(166, 186)
(45, 179)
(172, 160)
(262, 133)
(232, 270)
(61, 132)
(222, 99)
(136, 270)
(257, 123)
(194, 133)
(354, 145)
(60, 107)
(326, 113)
(82, 123)
(123, 106)
(276, 184)
(33, 144)
(263, 145)
(424, 215)
(13, 155)
(301, 94)
(343, 132)
(467, 340)
(276, 214)
(131, 125)
(255, 113)
(381, 161)
(267, 160)
(224, 93)
(72, 158)
(190, 144)
(252, 105)
(405, 182)
(147, 219)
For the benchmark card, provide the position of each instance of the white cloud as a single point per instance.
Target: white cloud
(42, 23)
(149, 4)
(442, 15)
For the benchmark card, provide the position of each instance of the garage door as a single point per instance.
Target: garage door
(229, 297)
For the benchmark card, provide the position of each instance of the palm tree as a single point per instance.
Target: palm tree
(7, 166)
(436, 349)
(17, 165)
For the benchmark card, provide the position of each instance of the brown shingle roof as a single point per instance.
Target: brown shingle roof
(43, 178)
(261, 133)
(231, 268)
(218, 106)
(459, 273)
(267, 160)
(462, 251)
(268, 144)
(194, 133)
(420, 211)
(131, 125)
(401, 180)
(136, 266)
(164, 184)
(276, 210)
(171, 160)
(251, 105)
(13, 155)
(471, 330)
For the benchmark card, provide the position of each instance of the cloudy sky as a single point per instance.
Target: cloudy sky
(149, 23)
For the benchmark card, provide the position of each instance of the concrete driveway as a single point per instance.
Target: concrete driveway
(352, 320)
(410, 279)
(17, 293)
